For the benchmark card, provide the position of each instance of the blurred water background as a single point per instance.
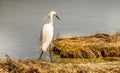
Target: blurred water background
(22, 20)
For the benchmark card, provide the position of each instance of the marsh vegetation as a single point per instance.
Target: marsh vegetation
(94, 46)
(99, 53)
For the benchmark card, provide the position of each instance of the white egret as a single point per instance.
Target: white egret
(47, 34)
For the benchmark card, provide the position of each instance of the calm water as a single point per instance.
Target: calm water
(22, 20)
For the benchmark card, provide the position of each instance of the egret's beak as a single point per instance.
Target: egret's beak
(57, 17)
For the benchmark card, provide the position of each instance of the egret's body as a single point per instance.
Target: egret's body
(47, 34)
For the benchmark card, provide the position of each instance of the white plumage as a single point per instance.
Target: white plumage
(47, 33)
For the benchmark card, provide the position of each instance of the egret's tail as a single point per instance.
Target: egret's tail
(40, 47)
(43, 46)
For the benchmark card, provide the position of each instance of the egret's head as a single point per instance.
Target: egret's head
(53, 13)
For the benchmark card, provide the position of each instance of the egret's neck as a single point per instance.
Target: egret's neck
(50, 19)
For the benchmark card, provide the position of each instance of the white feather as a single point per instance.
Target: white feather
(47, 32)
(47, 35)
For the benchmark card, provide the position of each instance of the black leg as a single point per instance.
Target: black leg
(50, 55)
(40, 55)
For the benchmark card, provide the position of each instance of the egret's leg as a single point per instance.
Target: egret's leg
(51, 55)
(40, 55)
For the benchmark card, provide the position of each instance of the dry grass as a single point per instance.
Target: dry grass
(37, 66)
(98, 45)
(98, 53)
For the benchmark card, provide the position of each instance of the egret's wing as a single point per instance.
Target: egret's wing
(40, 41)
(40, 36)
